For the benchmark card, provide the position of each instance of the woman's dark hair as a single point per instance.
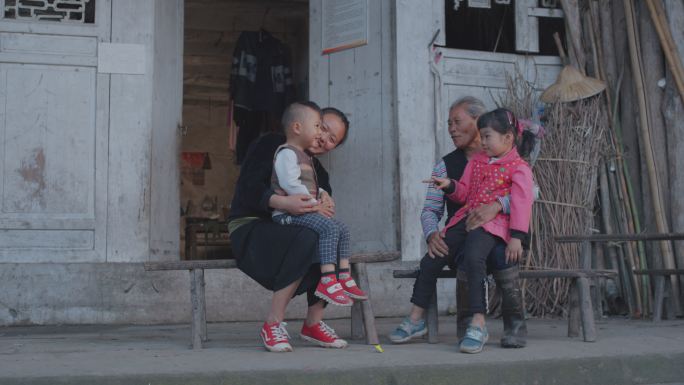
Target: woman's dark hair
(343, 118)
(504, 121)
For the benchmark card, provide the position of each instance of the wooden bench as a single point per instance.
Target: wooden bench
(580, 312)
(589, 240)
(363, 320)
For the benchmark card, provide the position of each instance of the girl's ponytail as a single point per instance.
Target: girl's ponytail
(526, 143)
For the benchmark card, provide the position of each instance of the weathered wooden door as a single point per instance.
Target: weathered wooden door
(483, 75)
(54, 128)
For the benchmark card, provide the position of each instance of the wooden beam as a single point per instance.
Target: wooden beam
(524, 274)
(576, 238)
(660, 272)
(191, 265)
(384, 256)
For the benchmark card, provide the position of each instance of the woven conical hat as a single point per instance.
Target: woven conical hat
(571, 85)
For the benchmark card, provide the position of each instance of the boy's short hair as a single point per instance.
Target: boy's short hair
(295, 112)
(343, 118)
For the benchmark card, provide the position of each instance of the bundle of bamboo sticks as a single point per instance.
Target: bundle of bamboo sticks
(586, 184)
(574, 144)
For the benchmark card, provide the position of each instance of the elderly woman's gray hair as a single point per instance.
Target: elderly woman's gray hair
(473, 106)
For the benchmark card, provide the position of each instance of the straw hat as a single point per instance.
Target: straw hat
(571, 85)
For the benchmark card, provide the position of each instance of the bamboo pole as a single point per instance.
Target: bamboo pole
(629, 222)
(628, 279)
(637, 70)
(574, 33)
(636, 256)
(673, 111)
(607, 216)
(655, 8)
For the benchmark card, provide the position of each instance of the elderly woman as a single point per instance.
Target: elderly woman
(463, 116)
(282, 258)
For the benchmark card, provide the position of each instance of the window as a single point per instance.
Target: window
(65, 11)
(490, 25)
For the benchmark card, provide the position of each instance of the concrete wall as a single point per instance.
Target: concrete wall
(118, 293)
(132, 191)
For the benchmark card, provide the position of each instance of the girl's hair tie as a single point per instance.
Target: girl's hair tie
(519, 127)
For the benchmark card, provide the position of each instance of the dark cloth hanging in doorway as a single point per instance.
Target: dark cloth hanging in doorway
(260, 86)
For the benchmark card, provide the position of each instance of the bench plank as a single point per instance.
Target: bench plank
(576, 238)
(231, 263)
(551, 273)
(660, 272)
(191, 265)
(375, 257)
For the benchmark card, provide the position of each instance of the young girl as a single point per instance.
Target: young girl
(495, 172)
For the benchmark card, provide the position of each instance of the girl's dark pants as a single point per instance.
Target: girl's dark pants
(507, 280)
(468, 251)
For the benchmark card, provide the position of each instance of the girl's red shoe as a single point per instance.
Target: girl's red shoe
(332, 292)
(352, 290)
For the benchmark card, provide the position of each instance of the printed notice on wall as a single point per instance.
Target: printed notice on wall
(345, 24)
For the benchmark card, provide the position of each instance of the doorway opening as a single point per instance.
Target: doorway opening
(226, 46)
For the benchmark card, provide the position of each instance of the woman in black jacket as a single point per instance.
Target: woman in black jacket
(283, 258)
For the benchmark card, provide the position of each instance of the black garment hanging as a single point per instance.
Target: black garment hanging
(260, 85)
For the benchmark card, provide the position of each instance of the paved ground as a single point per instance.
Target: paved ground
(627, 352)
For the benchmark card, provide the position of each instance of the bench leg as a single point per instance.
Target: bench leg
(432, 319)
(573, 310)
(357, 321)
(191, 242)
(203, 306)
(359, 269)
(357, 331)
(198, 322)
(659, 298)
(586, 310)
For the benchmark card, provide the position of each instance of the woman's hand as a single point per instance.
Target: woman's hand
(436, 245)
(292, 204)
(514, 250)
(327, 203)
(481, 215)
(325, 210)
(440, 183)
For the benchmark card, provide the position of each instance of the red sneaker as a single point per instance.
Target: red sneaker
(275, 337)
(352, 290)
(322, 335)
(333, 293)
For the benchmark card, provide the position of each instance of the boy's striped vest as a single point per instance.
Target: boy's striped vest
(307, 175)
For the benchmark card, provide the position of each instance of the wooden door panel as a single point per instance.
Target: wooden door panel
(48, 155)
(54, 125)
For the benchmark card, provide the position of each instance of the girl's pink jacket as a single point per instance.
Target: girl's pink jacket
(482, 183)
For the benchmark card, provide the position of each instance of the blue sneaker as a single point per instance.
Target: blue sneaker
(474, 340)
(407, 329)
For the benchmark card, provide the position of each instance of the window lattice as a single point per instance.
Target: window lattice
(66, 11)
